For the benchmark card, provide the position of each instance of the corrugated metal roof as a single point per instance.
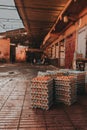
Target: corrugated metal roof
(9, 18)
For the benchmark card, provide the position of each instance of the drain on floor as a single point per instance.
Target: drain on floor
(11, 72)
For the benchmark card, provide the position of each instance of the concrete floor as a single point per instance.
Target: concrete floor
(15, 109)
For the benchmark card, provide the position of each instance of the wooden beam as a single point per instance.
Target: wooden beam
(66, 6)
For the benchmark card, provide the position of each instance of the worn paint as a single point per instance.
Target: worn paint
(4, 50)
(20, 54)
(74, 28)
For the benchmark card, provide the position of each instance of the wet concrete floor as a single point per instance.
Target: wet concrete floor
(16, 112)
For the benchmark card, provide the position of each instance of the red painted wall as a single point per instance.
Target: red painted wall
(69, 50)
(4, 50)
(20, 54)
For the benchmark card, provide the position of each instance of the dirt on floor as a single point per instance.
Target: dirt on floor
(15, 109)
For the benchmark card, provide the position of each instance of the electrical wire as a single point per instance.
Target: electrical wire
(5, 21)
(1, 26)
(11, 6)
(6, 9)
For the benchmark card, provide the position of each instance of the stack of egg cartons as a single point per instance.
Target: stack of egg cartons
(65, 90)
(54, 73)
(42, 92)
(40, 73)
(80, 81)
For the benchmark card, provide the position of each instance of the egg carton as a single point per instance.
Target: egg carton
(41, 95)
(54, 73)
(41, 100)
(40, 73)
(42, 79)
(41, 85)
(66, 100)
(39, 103)
(42, 106)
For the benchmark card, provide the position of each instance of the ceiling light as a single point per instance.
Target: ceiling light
(75, 0)
(25, 33)
(65, 19)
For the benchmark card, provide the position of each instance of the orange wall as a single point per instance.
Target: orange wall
(20, 54)
(5, 49)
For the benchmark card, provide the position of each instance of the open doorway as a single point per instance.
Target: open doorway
(12, 53)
